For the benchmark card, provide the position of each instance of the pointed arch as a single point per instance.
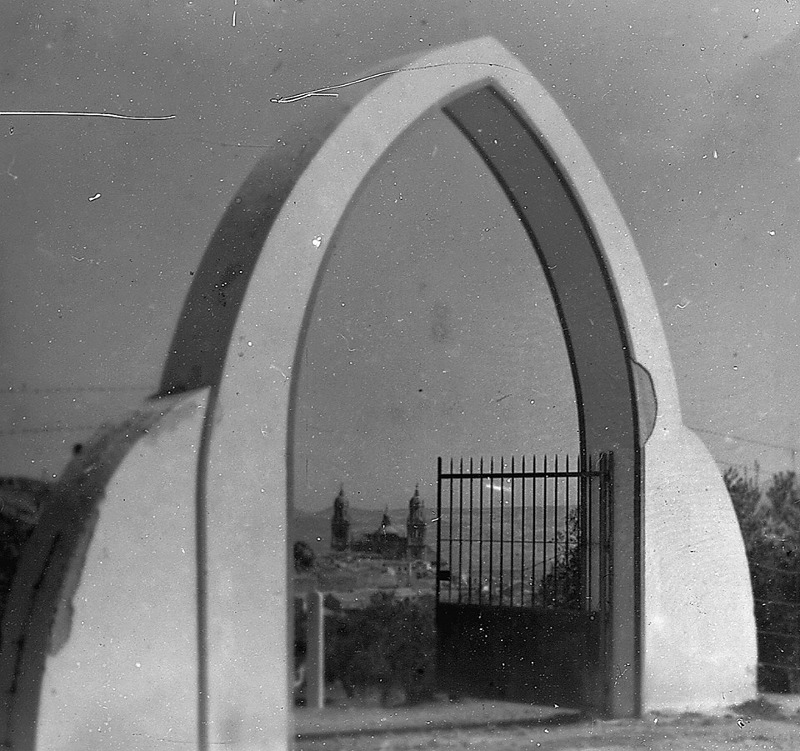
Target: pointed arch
(680, 584)
(281, 290)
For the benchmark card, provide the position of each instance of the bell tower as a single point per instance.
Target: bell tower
(415, 526)
(340, 523)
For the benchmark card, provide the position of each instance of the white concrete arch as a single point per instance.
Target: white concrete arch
(697, 627)
(687, 508)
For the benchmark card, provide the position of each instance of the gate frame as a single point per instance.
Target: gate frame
(581, 678)
(585, 470)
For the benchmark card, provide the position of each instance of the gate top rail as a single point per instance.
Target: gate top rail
(485, 468)
(525, 475)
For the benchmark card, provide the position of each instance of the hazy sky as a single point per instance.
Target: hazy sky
(434, 334)
(688, 108)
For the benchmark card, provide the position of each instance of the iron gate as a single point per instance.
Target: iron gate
(522, 578)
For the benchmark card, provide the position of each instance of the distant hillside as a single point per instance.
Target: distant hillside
(314, 527)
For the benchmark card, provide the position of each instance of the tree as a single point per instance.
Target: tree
(560, 587)
(13, 535)
(304, 556)
(771, 533)
(746, 498)
(390, 644)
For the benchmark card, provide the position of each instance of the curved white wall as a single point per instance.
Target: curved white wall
(126, 674)
(700, 643)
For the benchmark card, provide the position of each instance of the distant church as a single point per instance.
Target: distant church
(387, 541)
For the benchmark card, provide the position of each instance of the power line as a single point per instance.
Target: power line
(69, 389)
(745, 440)
(46, 429)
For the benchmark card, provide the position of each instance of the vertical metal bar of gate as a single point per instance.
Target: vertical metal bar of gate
(480, 536)
(567, 530)
(450, 539)
(609, 506)
(544, 533)
(606, 468)
(593, 529)
(491, 527)
(522, 578)
(460, 527)
(555, 530)
(584, 533)
(558, 573)
(533, 534)
(438, 526)
(471, 517)
(599, 544)
(511, 552)
(502, 526)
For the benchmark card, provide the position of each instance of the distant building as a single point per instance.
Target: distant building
(415, 526)
(385, 542)
(388, 541)
(340, 523)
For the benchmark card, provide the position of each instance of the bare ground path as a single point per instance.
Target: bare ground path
(763, 725)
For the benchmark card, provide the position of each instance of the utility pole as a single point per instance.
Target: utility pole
(315, 665)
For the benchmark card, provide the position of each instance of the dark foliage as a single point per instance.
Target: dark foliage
(770, 525)
(560, 587)
(304, 556)
(388, 646)
(13, 535)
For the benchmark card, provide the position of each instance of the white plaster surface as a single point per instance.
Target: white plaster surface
(699, 627)
(126, 678)
(248, 664)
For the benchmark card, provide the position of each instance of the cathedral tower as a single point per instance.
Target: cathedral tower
(340, 523)
(415, 526)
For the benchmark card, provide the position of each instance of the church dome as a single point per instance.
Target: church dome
(387, 528)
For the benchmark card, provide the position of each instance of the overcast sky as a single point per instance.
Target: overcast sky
(434, 334)
(689, 109)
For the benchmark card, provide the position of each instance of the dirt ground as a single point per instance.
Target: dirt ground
(756, 726)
